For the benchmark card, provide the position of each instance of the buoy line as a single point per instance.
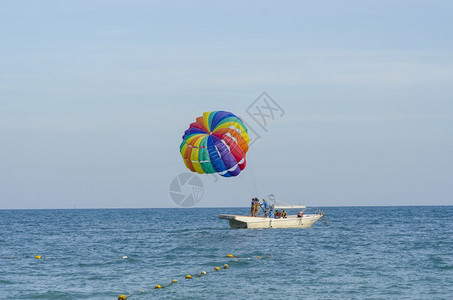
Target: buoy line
(188, 276)
(216, 269)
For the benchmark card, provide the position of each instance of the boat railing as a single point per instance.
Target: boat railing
(317, 211)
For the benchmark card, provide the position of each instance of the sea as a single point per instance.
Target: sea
(355, 253)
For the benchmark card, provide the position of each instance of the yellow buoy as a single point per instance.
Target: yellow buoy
(188, 276)
(258, 257)
(230, 255)
(174, 281)
(158, 287)
(235, 260)
(225, 266)
(122, 297)
(216, 268)
(38, 257)
(203, 272)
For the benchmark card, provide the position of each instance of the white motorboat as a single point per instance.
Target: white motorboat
(302, 220)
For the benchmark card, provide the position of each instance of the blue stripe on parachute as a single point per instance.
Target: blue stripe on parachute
(220, 115)
(193, 131)
(214, 156)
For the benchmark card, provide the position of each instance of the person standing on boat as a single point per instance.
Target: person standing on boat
(265, 207)
(271, 212)
(257, 207)
(252, 207)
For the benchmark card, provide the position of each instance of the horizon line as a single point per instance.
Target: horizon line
(205, 207)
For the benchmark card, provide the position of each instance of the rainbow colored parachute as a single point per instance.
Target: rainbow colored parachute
(216, 143)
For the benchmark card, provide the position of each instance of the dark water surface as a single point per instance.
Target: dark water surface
(364, 252)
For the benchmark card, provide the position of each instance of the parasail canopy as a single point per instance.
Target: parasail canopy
(217, 142)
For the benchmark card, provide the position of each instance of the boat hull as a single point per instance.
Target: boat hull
(238, 221)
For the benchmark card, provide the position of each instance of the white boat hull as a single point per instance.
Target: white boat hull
(238, 221)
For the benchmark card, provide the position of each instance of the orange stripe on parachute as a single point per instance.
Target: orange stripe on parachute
(241, 141)
(200, 121)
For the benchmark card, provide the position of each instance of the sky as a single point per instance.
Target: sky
(95, 96)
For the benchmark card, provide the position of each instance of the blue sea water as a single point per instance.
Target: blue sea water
(363, 253)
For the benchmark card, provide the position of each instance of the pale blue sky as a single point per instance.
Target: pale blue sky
(95, 96)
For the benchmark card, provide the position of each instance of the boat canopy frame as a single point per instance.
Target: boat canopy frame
(276, 205)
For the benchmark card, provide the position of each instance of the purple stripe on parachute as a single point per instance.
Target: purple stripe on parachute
(227, 157)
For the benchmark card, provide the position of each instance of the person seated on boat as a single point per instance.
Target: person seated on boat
(300, 214)
(283, 213)
(277, 214)
(265, 207)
